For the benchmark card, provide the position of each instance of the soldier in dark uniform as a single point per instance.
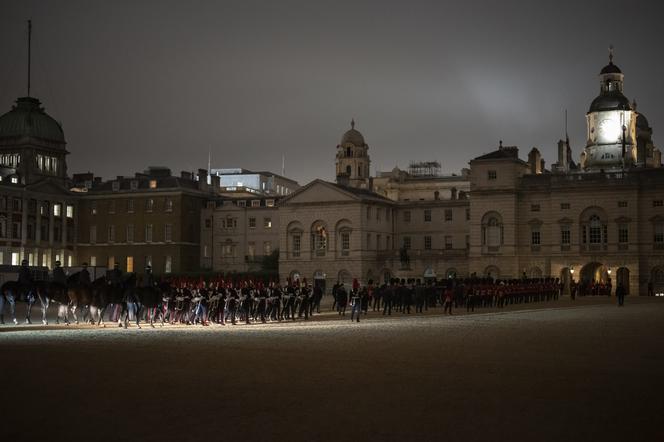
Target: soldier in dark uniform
(115, 276)
(388, 296)
(148, 278)
(84, 275)
(59, 276)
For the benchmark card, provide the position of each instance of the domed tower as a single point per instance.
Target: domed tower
(352, 162)
(611, 122)
(32, 144)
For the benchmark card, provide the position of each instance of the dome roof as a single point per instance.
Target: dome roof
(613, 100)
(353, 136)
(610, 69)
(642, 121)
(29, 119)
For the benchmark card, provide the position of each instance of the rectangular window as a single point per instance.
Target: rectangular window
(242, 203)
(255, 203)
(427, 215)
(130, 206)
(148, 233)
(57, 209)
(427, 242)
(623, 233)
(149, 205)
(15, 260)
(406, 216)
(448, 214)
(492, 175)
(168, 205)
(93, 208)
(657, 203)
(622, 203)
(168, 264)
(93, 234)
(205, 251)
(267, 248)
(448, 242)
(345, 243)
(93, 261)
(267, 223)
(406, 242)
(168, 232)
(659, 234)
(111, 262)
(111, 233)
(297, 243)
(534, 207)
(565, 236)
(535, 237)
(130, 233)
(251, 249)
(252, 223)
(153, 184)
(130, 264)
(115, 186)
(133, 184)
(564, 206)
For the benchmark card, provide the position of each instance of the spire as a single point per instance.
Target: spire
(500, 144)
(29, 51)
(352, 123)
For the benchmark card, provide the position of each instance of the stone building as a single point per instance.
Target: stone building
(601, 219)
(152, 218)
(38, 212)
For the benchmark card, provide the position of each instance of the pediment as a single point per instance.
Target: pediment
(319, 191)
(49, 187)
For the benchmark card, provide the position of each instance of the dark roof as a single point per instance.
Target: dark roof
(29, 119)
(362, 193)
(502, 153)
(610, 69)
(171, 182)
(613, 100)
(642, 122)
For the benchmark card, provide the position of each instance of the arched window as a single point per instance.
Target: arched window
(594, 231)
(492, 231)
(348, 152)
(319, 239)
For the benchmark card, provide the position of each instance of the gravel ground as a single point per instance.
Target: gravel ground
(588, 372)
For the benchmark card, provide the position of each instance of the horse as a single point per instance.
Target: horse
(102, 297)
(55, 292)
(10, 291)
(147, 299)
(79, 294)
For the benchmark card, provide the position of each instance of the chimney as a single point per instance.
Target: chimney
(454, 193)
(185, 175)
(215, 181)
(535, 161)
(202, 179)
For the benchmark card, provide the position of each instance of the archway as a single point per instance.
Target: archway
(451, 273)
(492, 272)
(345, 277)
(622, 277)
(594, 279)
(657, 280)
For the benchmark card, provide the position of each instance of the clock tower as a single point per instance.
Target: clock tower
(611, 122)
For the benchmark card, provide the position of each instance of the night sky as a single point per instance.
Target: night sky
(162, 83)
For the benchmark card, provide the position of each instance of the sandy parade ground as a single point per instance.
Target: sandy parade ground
(585, 370)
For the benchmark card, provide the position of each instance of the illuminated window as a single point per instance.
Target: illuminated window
(70, 211)
(57, 209)
(153, 184)
(14, 180)
(130, 264)
(267, 223)
(111, 262)
(269, 203)
(93, 261)
(15, 259)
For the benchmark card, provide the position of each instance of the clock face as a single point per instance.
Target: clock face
(609, 131)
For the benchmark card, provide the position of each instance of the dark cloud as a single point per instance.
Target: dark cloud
(161, 83)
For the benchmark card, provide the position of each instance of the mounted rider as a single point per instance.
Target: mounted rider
(59, 276)
(115, 276)
(84, 276)
(26, 281)
(148, 280)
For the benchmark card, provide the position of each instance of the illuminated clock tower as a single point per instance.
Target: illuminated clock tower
(611, 137)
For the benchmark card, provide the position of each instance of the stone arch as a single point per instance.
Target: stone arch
(492, 272)
(592, 276)
(657, 279)
(345, 277)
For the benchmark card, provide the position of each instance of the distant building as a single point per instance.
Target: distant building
(232, 181)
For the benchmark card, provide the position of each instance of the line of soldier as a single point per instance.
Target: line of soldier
(404, 296)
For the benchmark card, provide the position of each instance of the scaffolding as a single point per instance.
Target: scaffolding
(424, 168)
